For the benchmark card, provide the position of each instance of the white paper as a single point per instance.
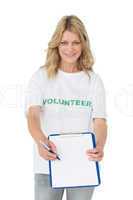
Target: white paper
(74, 168)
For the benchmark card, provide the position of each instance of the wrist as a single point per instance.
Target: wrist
(42, 139)
(100, 146)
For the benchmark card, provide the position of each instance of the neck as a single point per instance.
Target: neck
(69, 67)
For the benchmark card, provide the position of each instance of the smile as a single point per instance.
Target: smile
(71, 55)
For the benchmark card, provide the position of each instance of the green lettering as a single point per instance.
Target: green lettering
(77, 102)
(50, 101)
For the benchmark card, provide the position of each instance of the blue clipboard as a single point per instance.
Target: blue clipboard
(62, 172)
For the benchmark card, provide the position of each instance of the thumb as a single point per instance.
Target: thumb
(94, 150)
(52, 146)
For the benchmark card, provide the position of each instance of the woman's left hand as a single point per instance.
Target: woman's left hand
(95, 154)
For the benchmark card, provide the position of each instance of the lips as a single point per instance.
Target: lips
(69, 55)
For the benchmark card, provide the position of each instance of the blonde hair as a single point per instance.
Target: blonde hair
(74, 24)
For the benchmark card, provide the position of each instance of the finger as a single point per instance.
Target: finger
(49, 158)
(52, 146)
(95, 157)
(45, 153)
(92, 150)
(52, 155)
(93, 153)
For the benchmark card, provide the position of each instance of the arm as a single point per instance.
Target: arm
(33, 121)
(99, 119)
(100, 129)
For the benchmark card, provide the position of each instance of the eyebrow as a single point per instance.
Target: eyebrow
(68, 41)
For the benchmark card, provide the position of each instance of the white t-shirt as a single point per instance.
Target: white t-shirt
(68, 103)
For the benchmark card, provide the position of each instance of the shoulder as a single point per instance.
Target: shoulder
(96, 79)
(94, 76)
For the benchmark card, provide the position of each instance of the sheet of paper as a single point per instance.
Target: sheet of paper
(74, 168)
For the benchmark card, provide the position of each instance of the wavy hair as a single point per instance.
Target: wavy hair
(74, 24)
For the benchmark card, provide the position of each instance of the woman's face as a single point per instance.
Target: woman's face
(70, 47)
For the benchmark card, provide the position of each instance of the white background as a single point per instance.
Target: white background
(25, 29)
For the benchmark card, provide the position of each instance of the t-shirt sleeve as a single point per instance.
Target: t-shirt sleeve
(99, 99)
(34, 93)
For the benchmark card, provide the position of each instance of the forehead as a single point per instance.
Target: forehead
(68, 35)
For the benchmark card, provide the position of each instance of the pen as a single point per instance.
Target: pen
(46, 147)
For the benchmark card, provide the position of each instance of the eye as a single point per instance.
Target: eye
(76, 42)
(64, 43)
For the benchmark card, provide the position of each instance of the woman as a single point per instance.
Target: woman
(65, 95)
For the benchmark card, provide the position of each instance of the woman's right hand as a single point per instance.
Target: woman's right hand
(44, 153)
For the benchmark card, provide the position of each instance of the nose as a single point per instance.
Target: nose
(70, 47)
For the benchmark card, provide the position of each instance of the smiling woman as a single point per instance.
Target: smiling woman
(65, 95)
(69, 47)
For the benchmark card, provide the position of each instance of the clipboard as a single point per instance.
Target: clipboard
(74, 169)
